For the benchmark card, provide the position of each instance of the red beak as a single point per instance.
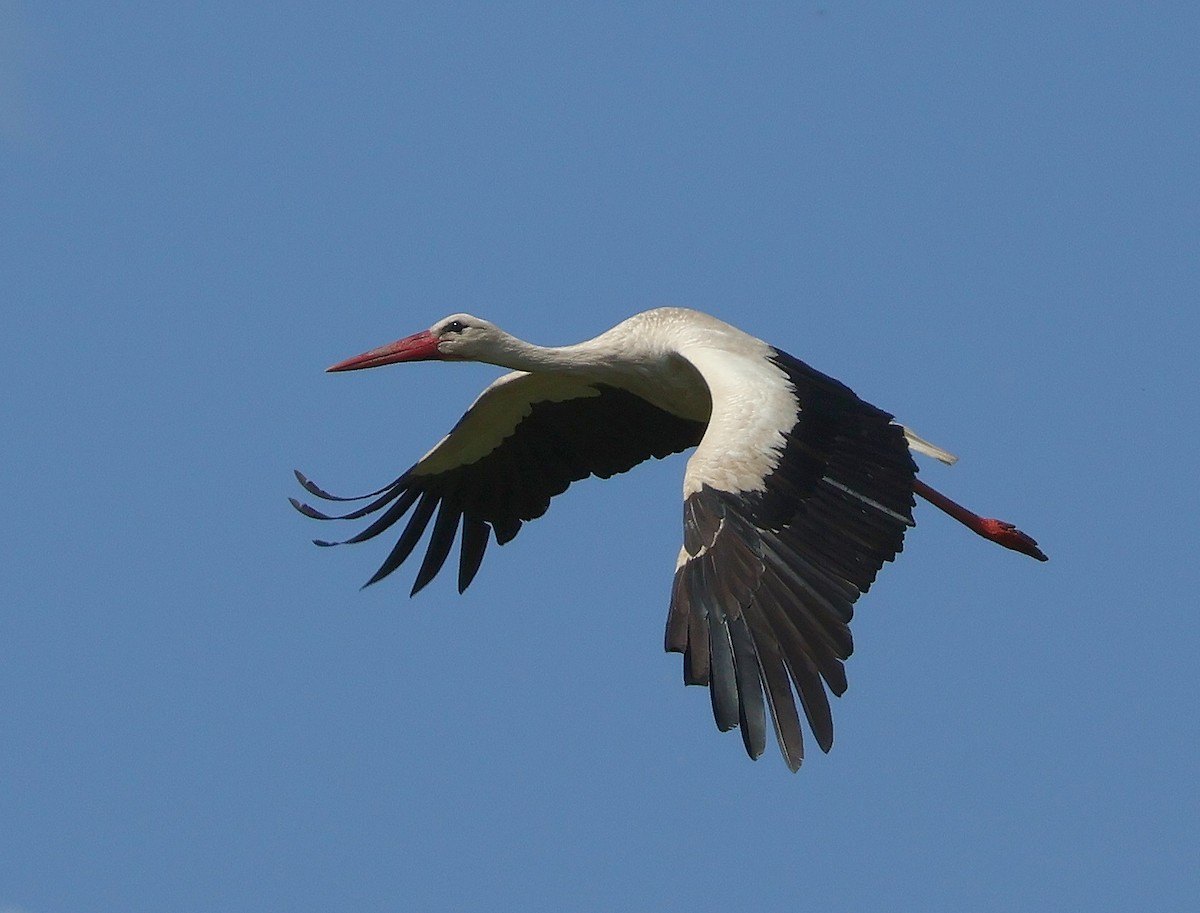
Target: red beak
(418, 347)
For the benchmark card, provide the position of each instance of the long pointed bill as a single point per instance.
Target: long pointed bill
(418, 347)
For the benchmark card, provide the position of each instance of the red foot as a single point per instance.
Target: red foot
(1009, 536)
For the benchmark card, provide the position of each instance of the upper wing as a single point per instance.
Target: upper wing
(787, 519)
(524, 440)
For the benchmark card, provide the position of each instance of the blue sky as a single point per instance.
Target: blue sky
(985, 218)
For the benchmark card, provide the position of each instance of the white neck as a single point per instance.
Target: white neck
(518, 355)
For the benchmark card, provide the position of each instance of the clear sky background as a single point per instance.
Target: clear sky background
(984, 217)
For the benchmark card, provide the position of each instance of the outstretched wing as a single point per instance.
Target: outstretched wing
(787, 519)
(524, 440)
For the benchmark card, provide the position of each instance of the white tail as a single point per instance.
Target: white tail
(919, 444)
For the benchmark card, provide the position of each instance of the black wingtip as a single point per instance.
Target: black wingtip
(308, 485)
(318, 492)
(308, 511)
(312, 488)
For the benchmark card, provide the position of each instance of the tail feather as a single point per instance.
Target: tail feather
(920, 445)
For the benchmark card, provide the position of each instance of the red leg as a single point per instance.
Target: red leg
(998, 531)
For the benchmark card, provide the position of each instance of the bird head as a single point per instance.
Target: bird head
(459, 337)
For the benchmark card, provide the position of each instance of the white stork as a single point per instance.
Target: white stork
(796, 495)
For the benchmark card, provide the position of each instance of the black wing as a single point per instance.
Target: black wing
(763, 597)
(525, 439)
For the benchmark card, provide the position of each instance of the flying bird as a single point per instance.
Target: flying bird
(797, 492)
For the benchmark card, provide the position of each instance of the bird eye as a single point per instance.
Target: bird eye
(455, 326)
